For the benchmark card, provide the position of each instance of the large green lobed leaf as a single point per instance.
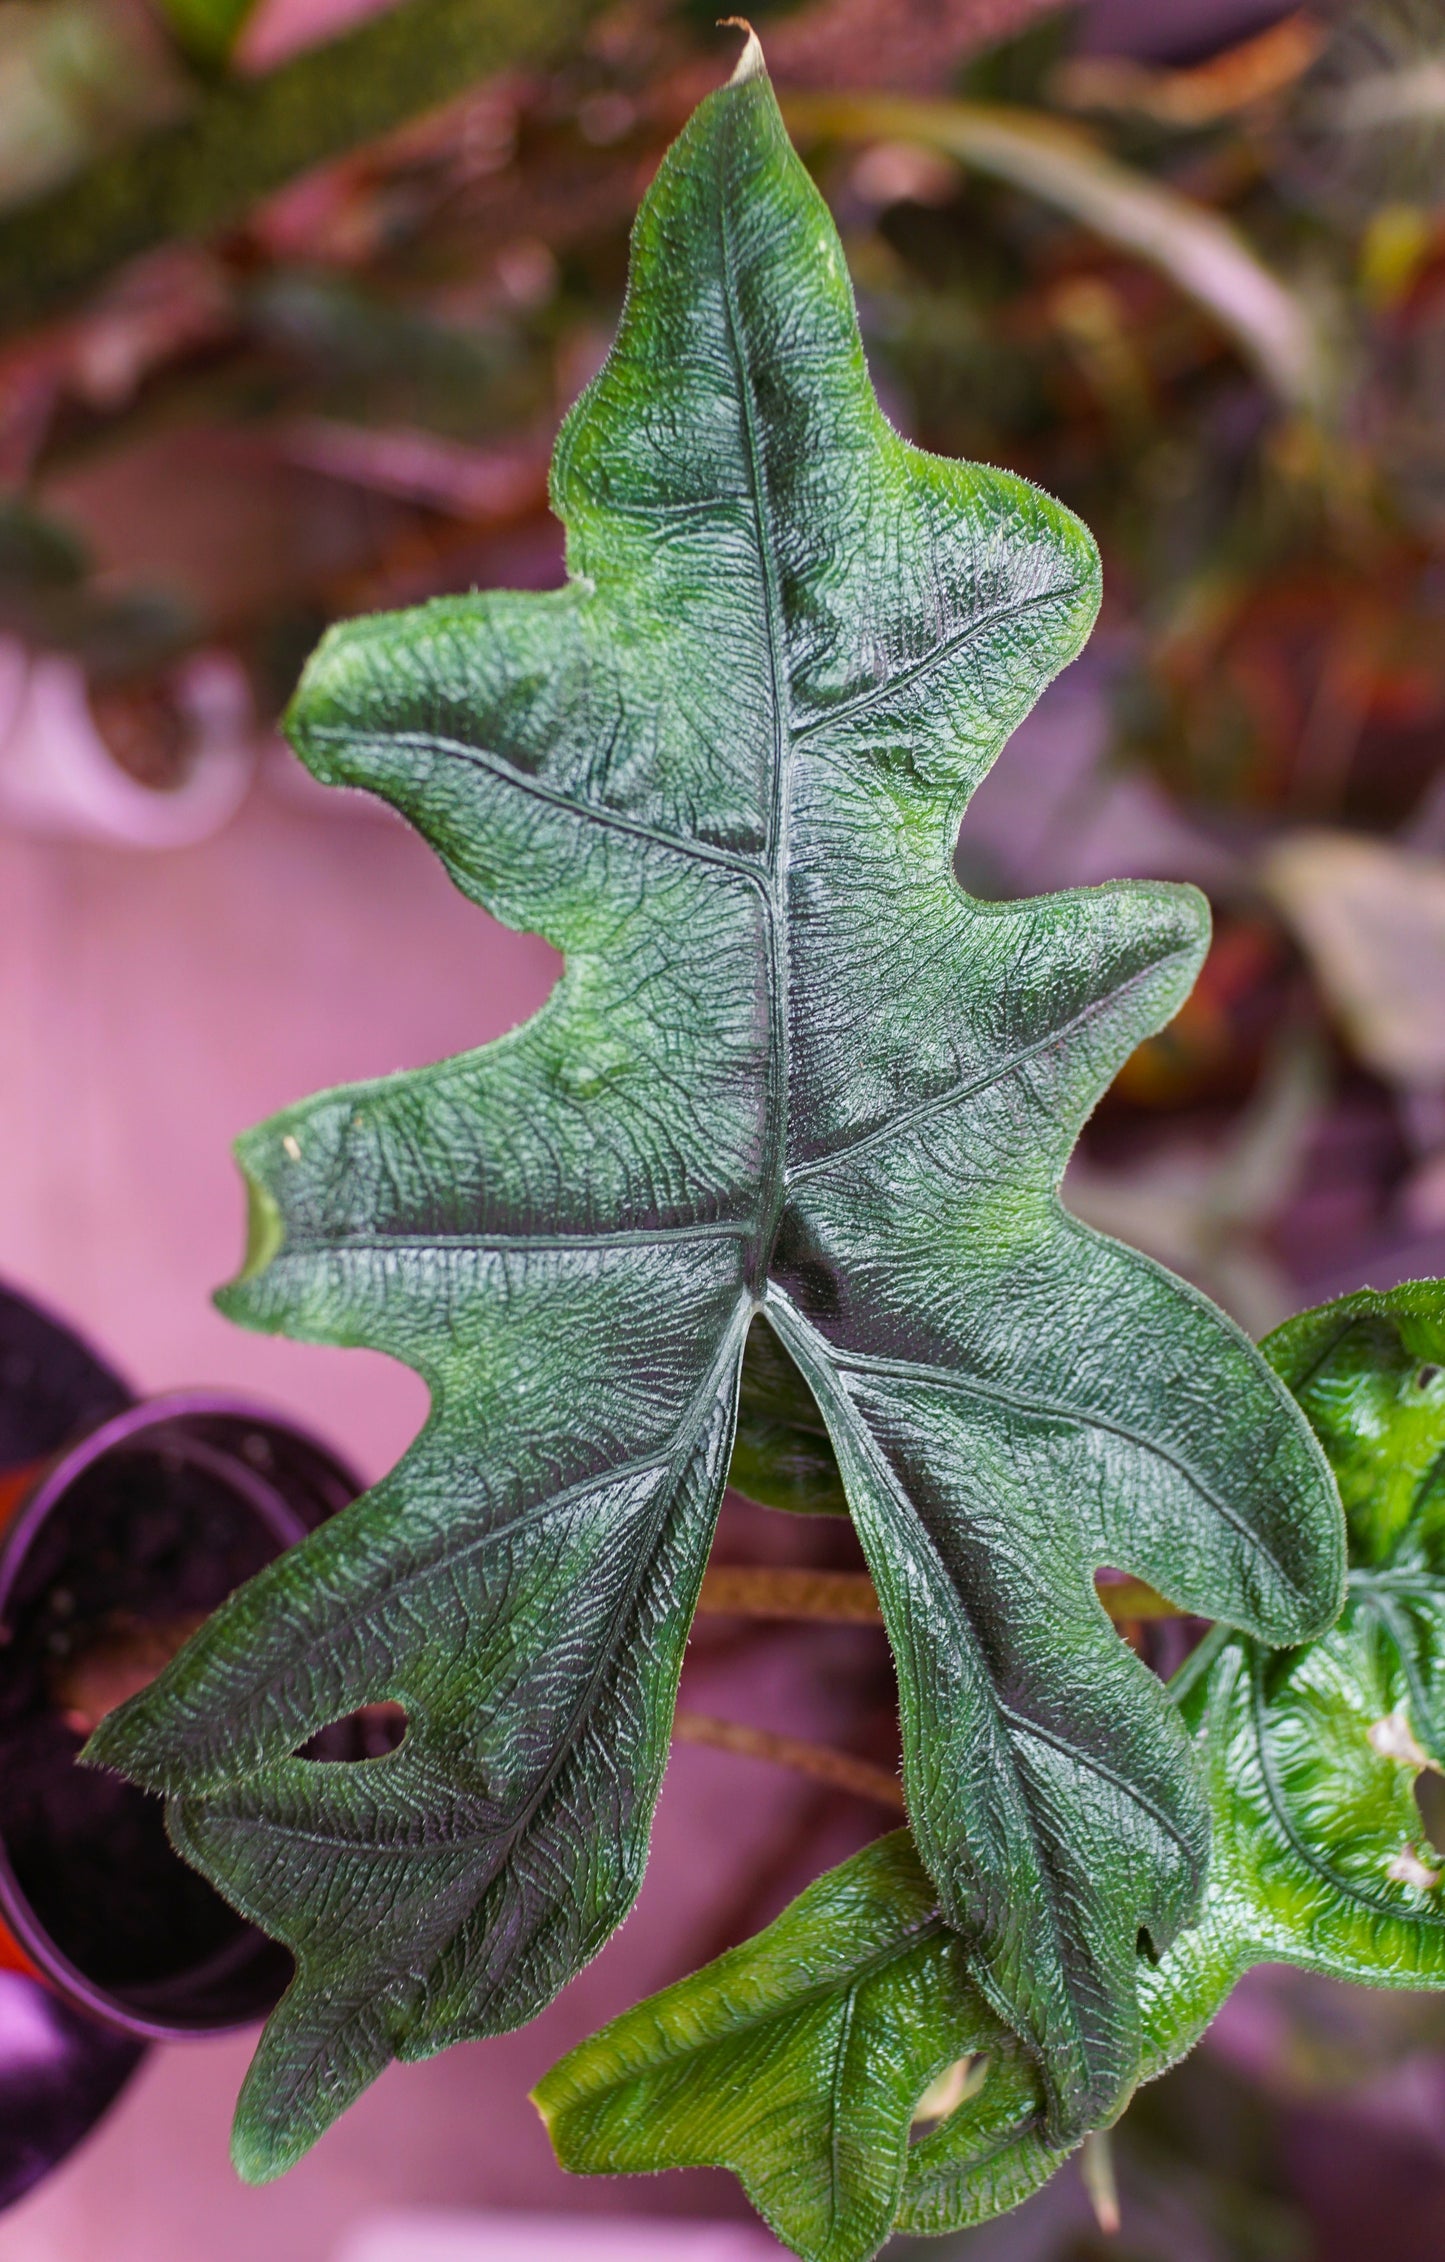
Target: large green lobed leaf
(793, 2056)
(792, 1077)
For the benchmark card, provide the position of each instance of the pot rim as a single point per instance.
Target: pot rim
(264, 1496)
(58, 1472)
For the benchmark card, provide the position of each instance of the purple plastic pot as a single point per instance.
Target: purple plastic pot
(155, 1516)
(148, 1518)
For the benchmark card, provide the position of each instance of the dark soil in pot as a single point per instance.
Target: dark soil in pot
(127, 1543)
(133, 1522)
(145, 1542)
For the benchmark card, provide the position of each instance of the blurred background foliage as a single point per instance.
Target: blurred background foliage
(292, 296)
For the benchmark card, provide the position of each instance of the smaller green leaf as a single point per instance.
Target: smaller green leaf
(1367, 1370)
(782, 1453)
(799, 2061)
(796, 2059)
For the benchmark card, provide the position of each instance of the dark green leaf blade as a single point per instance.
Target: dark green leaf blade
(988, 1481)
(790, 1068)
(440, 1891)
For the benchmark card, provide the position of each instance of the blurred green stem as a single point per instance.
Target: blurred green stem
(1096, 2163)
(248, 137)
(1201, 254)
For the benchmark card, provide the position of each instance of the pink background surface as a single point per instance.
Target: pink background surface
(152, 1006)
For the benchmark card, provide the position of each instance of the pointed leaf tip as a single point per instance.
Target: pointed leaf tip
(750, 64)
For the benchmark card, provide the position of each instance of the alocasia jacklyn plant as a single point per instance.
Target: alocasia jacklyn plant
(793, 1122)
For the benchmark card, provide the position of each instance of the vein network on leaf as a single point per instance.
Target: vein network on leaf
(794, 1079)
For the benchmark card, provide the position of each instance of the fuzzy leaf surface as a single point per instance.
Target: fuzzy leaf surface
(785, 2055)
(1311, 1758)
(796, 2059)
(791, 1071)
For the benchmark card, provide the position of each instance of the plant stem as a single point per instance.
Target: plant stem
(1096, 2165)
(250, 136)
(821, 1761)
(748, 1590)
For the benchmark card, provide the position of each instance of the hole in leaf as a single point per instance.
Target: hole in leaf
(946, 2092)
(368, 1734)
(1430, 1800)
(1426, 1376)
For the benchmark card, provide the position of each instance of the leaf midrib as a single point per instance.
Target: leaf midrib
(953, 1607)
(685, 1445)
(524, 1244)
(778, 1078)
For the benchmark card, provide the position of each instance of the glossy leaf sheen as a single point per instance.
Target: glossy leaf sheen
(795, 2060)
(1309, 1820)
(792, 1070)
(798, 2059)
